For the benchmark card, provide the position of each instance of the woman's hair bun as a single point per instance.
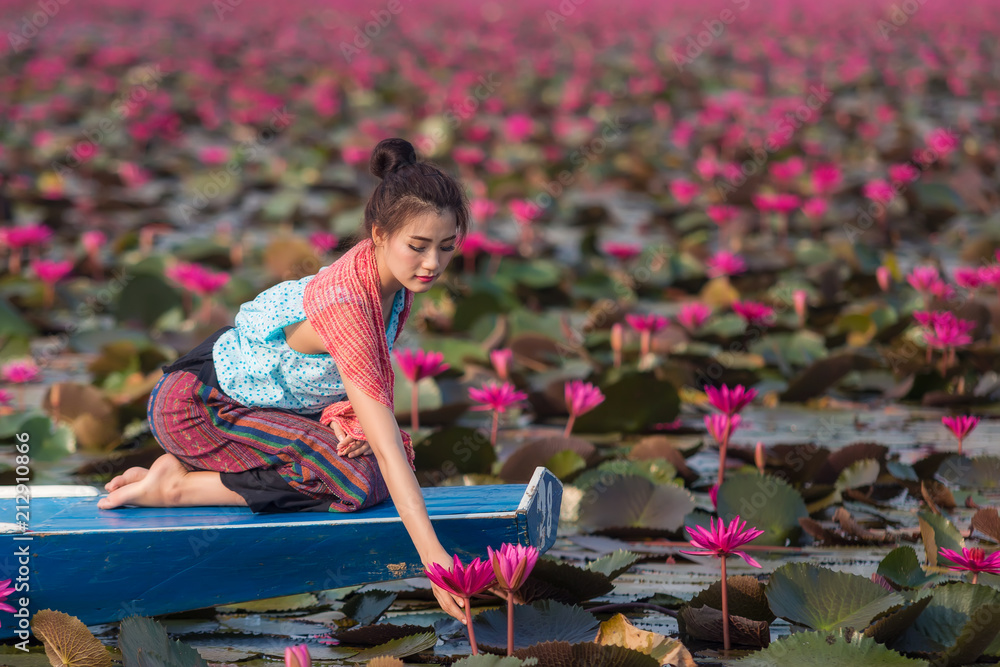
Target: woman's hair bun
(391, 154)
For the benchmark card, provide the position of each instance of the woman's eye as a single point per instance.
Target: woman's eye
(448, 249)
(417, 249)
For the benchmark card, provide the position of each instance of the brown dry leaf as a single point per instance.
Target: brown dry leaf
(661, 447)
(89, 413)
(706, 623)
(822, 535)
(68, 642)
(855, 530)
(987, 522)
(937, 495)
(385, 661)
(617, 631)
(290, 258)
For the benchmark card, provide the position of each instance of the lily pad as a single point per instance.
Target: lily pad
(379, 633)
(614, 564)
(144, 642)
(747, 598)
(980, 472)
(633, 401)
(987, 522)
(283, 603)
(859, 474)
(630, 501)
(937, 533)
(565, 464)
(455, 450)
(492, 660)
(957, 626)
(901, 567)
(706, 624)
(822, 599)
(68, 641)
(658, 471)
(890, 626)
(365, 608)
(564, 654)
(826, 649)
(563, 582)
(617, 631)
(146, 298)
(540, 621)
(765, 502)
(521, 464)
(398, 648)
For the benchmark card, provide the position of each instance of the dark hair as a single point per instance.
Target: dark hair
(410, 188)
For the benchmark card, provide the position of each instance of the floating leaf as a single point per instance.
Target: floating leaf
(957, 626)
(987, 522)
(385, 661)
(746, 594)
(823, 374)
(365, 608)
(565, 464)
(145, 299)
(822, 599)
(614, 564)
(937, 533)
(658, 471)
(901, 567)
(633, 401)
(765, 502)
(887, 628)
(980, 472)
(11, 323)
(379, 633)
(398, 648)
(824, 649)
(630, 501)
(491, 660)
(617, 631)
(521, 464)
(563, 582)
(564, 654)
(144, 643)
(705, 623)
(858, 474)
(455, 450)
(283, 603)
(540, 621)
(68, 642)
(92, 417)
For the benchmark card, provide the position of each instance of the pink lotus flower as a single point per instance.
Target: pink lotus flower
(323, 242)
(725, 264)
(730, 401)
(961, 426)
(683, 191)
(903, 173)
(826, 178)
(815, 207)
(753, 312)
(498, 398)
(646, 325)
(482, 209)
(518, 127)
(197, 279)
(973, 560)
(501, 358)
(27, 235)
(581, 397)
(5, 590)
(297, 656)
(133, 175)
(622, 251)
(512, 565)
(468, 155)
(524, 210)
(93, 241)
(788, 170)
(20, 371)
(416, 365)
(878, 190)
(354, 155)
(968, 277)
(692, 315)
(51, 272)
(722, 541)
(213, 155)
(720, 214)
(5, 397)
(463, 581)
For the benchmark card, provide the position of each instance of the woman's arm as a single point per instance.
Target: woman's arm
(382, 432)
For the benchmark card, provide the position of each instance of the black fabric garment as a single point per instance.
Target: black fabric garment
(264, 489)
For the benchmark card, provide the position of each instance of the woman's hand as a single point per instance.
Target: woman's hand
(450, 604)
(348, 446)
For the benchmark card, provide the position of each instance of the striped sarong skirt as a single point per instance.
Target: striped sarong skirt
(207, 430)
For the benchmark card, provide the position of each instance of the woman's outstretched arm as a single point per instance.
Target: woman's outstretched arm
(380, 427)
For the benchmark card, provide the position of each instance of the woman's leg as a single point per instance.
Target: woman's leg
(168, 483)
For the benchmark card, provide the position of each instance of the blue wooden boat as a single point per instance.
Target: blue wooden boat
(105, 565)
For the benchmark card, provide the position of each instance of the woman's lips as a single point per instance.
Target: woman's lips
(425, 279)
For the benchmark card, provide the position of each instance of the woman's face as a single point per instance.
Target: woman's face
(422, 248)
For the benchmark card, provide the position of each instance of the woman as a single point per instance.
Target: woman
(291, 409)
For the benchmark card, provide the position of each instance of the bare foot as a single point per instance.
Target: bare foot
(129, 476)
(156, 488)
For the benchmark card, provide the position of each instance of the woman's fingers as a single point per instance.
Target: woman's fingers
(449, 604)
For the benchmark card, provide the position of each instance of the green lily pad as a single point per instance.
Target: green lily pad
(787, 350)
(938, 533)
(822, 599)
(469, 309)
(633, 401)
(746, 596)
(144, 642)
(283, 603)
(765, 502)
(859, 474)
(536, 274)
(145, 299)
(455, 350)
(901, 567)
(957, 626)
(585, 653)
(366, 607)
(825, 649)
(455, 450)
(980, 472)
(11, 322)
(630, 501)
(614, 564)
(398, 648)
(658, 471)
(565, 464)
(540, 621)
(491, 660)
(562, 582)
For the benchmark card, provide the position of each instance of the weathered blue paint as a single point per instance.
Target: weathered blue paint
(104, 565)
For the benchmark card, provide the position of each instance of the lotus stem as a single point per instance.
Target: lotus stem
(468, 625)
(569, 425)
(725, 607)
(493, 431)
(960, 452)
(975, 578)
(645, 340)
(510, 623)
(414, 408)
